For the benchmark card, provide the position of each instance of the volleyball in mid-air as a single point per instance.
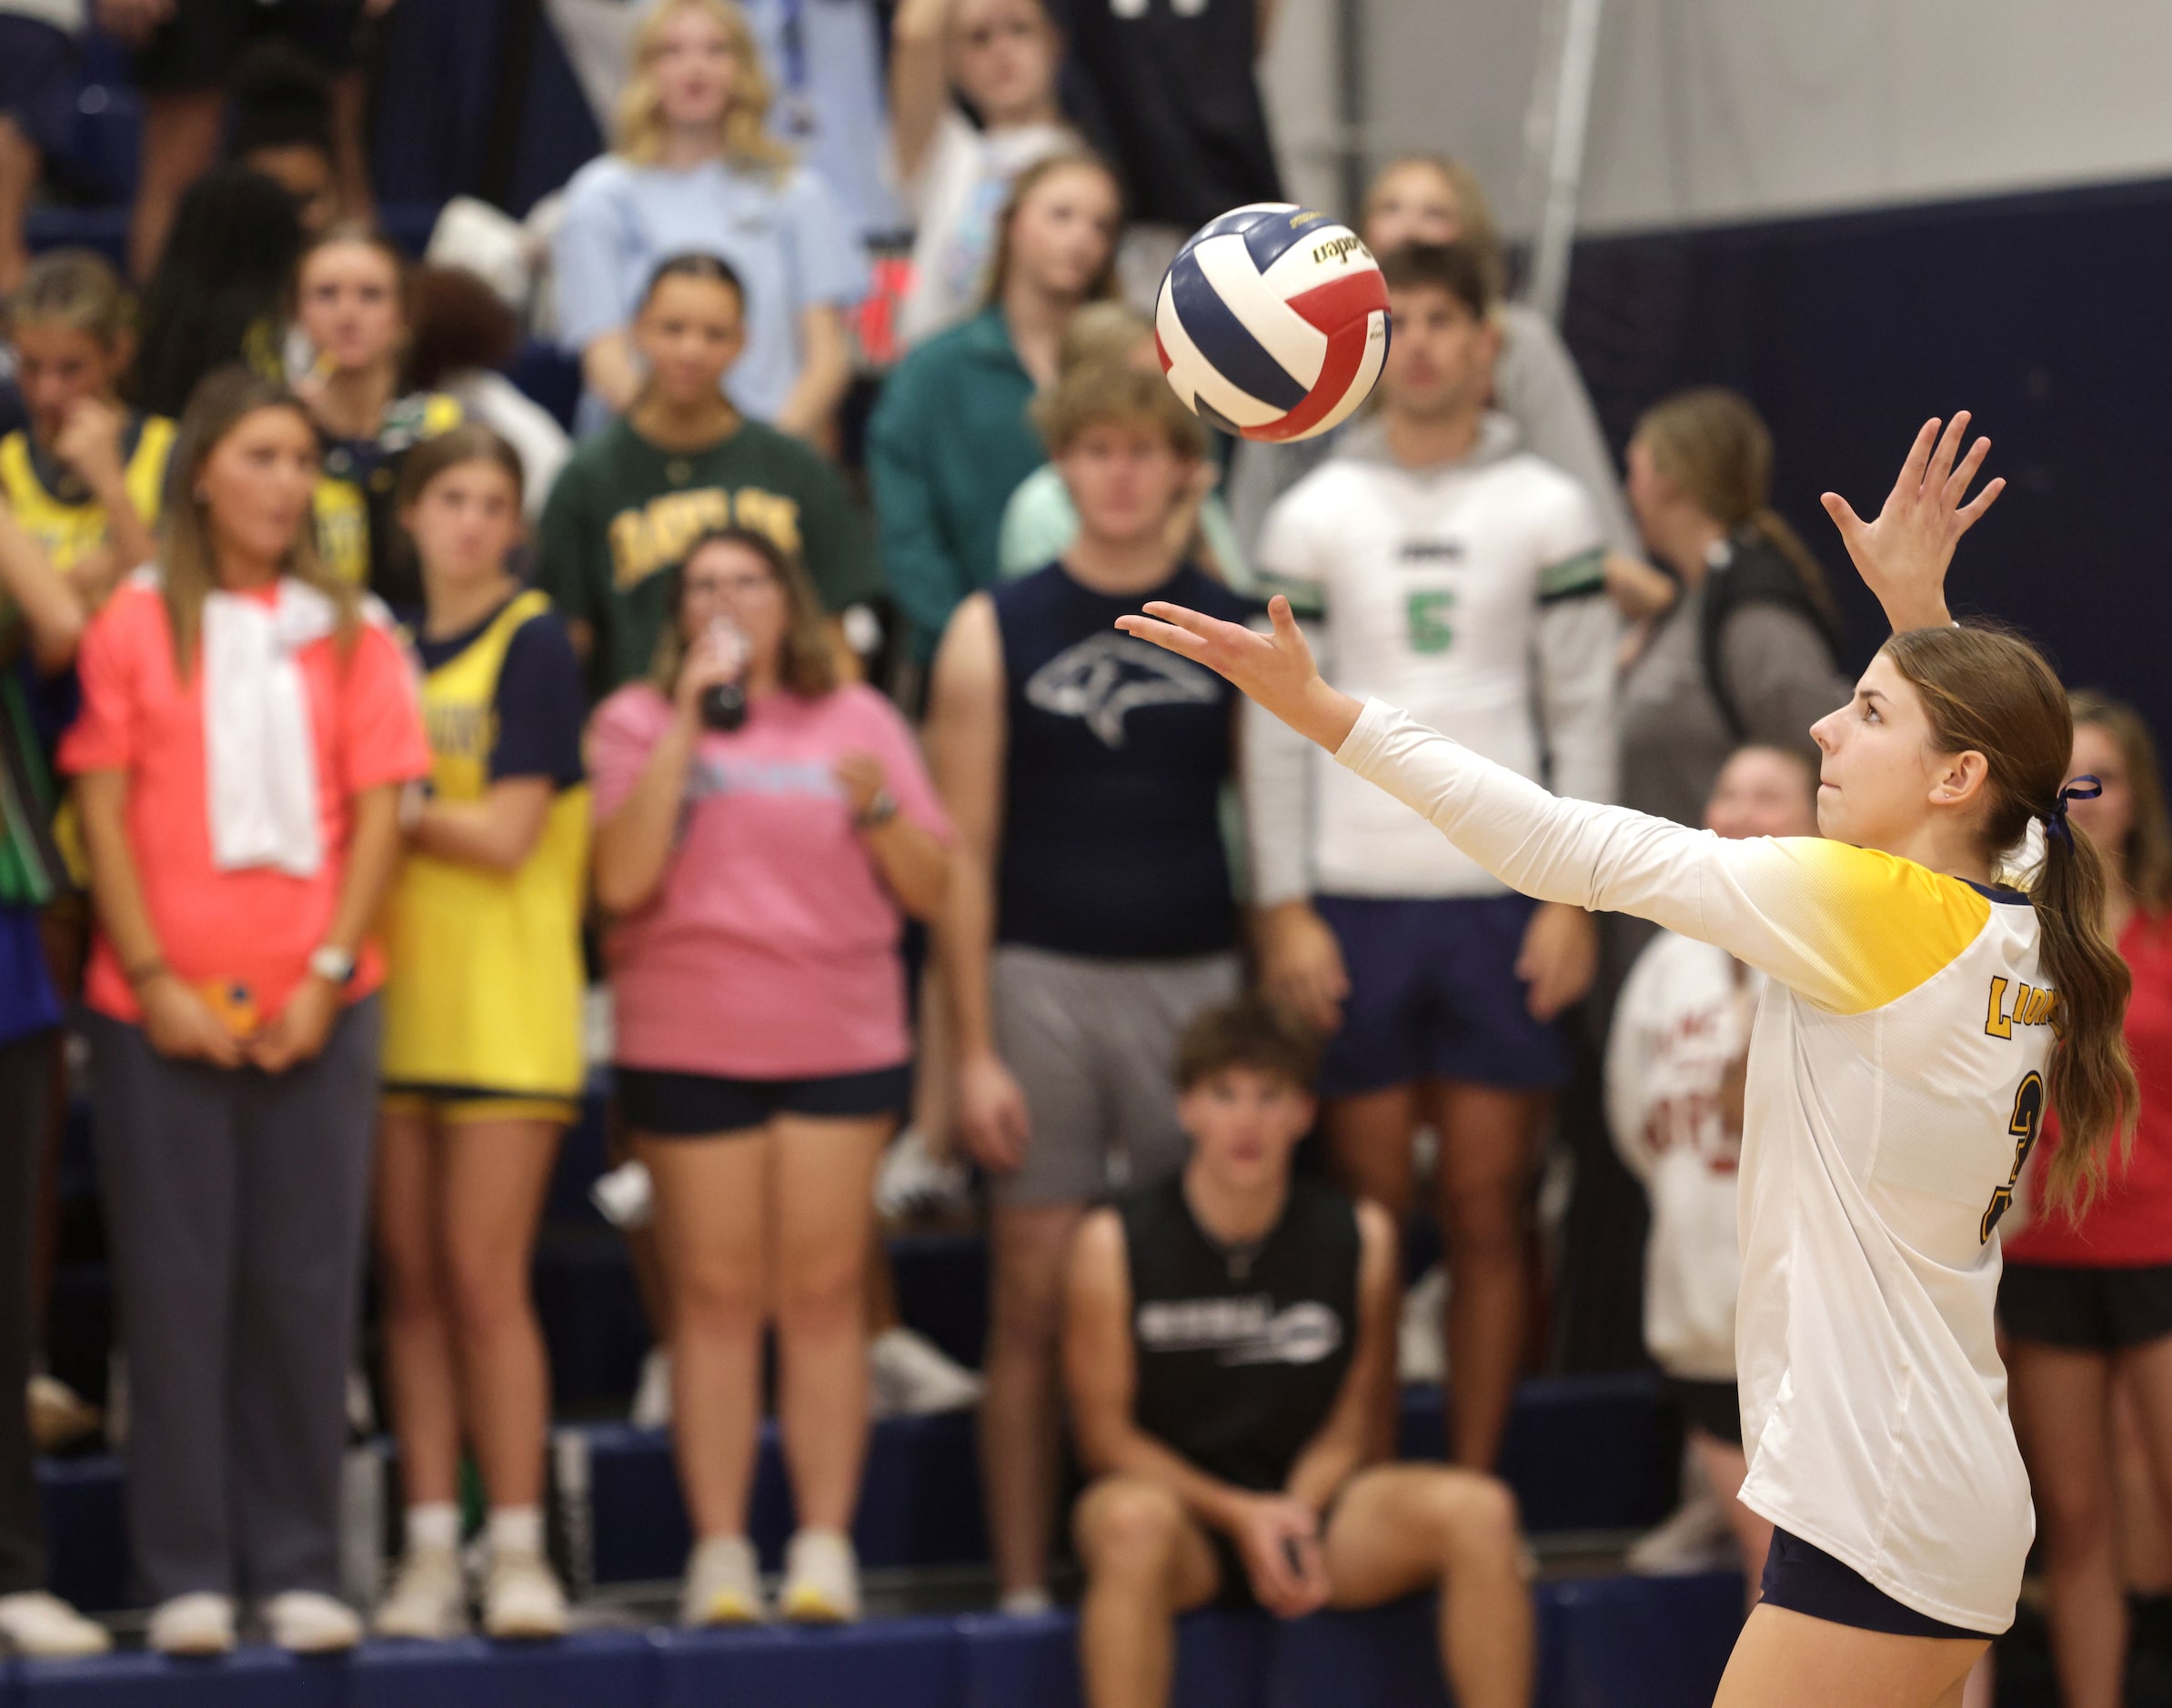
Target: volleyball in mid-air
(1273, 322)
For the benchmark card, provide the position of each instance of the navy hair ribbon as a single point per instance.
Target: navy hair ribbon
(2080, 789)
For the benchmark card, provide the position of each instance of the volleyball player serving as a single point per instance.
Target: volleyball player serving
(1919, 1019)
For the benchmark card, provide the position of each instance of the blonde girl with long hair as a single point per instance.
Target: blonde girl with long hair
(1922, 1017)
(233, 1013)
(692, 168)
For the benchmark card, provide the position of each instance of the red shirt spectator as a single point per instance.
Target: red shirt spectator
(2129, 1223)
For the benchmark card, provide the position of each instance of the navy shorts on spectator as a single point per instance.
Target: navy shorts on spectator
(1434, 995)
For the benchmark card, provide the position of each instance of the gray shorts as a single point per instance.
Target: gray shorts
(1093, 1044)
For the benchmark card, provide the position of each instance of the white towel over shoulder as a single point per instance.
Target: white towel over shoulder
(259, 735)
(259, 741)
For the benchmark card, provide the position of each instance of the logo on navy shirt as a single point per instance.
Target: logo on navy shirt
(1105, 678)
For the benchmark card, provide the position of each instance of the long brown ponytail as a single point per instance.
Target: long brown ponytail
(1990, 692)
(1712, 444)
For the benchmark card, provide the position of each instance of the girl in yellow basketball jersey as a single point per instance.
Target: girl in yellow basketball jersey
(1920, 1017)
(85, 477)
(482, 1061)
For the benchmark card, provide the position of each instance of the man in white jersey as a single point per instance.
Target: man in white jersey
(1899, 1070)
(1462, 577)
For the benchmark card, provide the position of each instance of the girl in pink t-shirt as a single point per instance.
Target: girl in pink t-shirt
(760, 832)
(246, 732)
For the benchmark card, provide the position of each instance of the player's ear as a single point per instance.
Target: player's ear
(1961, 779)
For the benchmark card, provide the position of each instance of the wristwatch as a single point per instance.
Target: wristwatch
(880, 811)
(331, 963)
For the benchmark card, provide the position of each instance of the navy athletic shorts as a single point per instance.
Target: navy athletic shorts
(1807, 1580)
(1434, 995)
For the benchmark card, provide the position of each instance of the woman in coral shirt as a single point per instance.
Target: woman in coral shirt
(246, 728)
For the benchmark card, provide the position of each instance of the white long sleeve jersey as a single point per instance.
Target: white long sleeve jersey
(1895, 1085)
(1472, 594)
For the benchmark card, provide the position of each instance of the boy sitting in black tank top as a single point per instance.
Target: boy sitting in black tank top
(1225, 1333)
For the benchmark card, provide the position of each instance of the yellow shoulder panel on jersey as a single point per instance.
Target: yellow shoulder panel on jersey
(1871, 926)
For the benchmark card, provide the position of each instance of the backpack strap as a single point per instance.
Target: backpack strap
(1753, 573)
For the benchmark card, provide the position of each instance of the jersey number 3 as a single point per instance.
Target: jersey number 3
(2028, 1121)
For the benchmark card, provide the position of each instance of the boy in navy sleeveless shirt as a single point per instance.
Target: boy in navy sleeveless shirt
(1225, 1334)
(1090, 914)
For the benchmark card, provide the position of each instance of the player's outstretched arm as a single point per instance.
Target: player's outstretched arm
(1903, 554)
(1275, 670)
(1773, 905)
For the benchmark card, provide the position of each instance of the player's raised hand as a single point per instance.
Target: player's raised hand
(1904, 553)
(1275, 670)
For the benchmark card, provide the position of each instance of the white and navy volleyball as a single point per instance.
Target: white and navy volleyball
(1273, 322)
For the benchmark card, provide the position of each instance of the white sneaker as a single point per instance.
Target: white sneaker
(42, 1627)
(913, 1377)
(199, 1623)
(723, 1584)
(821, 1580)
(912, 1181)
(1696, 1538)
(522, 1602)
(303, 1621)
(1025, 1603)
(428, 1597)
(653, 1400)
(625, 1197)
(1419, 1353)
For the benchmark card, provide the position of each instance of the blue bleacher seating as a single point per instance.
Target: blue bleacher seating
(1605, 1643)
(597, 1668)
(1585, 1455)
(1638, 1643)
(252, 1678)
(1032, 1660)
(898, 1663)
(919, 1503)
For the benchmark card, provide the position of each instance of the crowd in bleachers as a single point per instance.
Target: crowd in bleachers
(359, 715)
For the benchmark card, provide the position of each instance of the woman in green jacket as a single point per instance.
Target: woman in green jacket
(952, 438)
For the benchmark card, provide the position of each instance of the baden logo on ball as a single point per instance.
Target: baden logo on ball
(1273, 322)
